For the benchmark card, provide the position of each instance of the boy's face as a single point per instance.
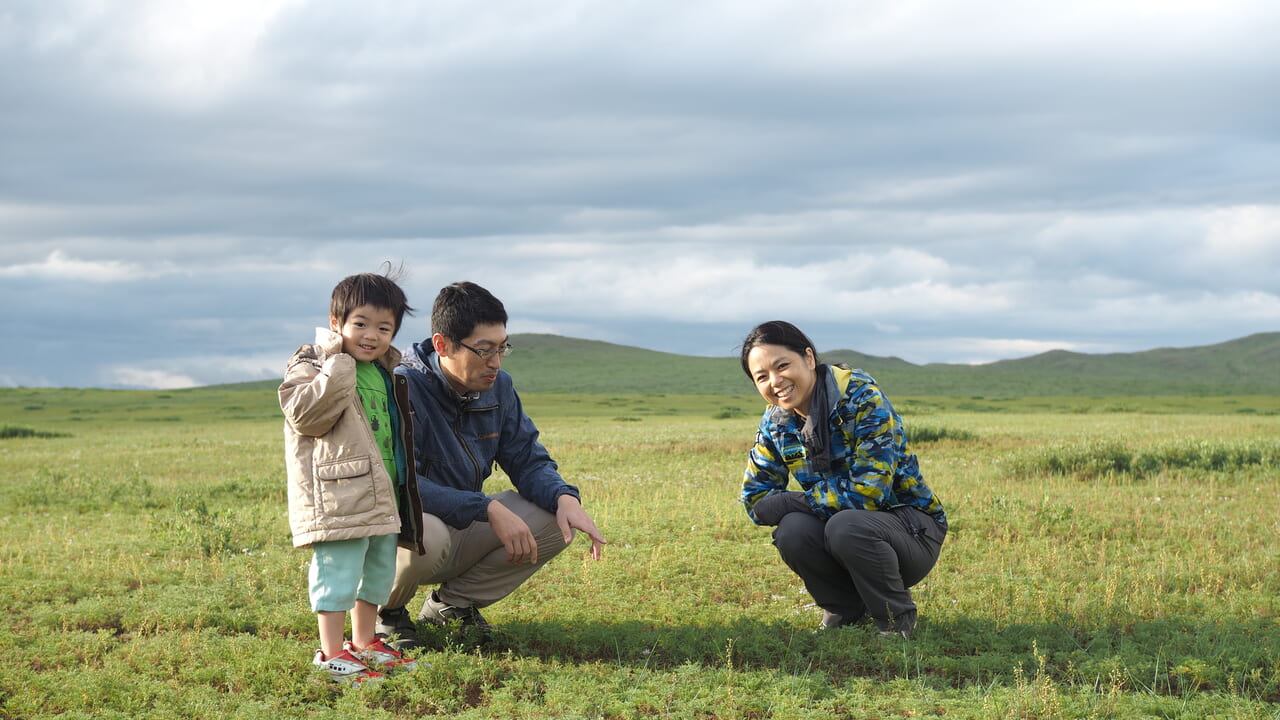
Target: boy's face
(366, 333)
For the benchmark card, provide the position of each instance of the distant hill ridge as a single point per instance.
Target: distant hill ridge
(1245, 366)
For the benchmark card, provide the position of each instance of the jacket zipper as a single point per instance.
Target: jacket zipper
(400, 388)
(475, 466)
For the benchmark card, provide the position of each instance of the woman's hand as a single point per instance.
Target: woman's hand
(771, 509)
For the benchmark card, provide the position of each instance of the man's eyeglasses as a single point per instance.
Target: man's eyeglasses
(486, 354)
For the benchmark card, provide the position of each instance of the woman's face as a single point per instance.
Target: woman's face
(783, 377)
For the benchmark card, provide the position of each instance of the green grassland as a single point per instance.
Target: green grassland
(1110, 557)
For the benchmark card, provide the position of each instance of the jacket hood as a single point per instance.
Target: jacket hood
(328, 341)
(423, 358)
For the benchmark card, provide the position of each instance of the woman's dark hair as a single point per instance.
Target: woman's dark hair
(776, 332)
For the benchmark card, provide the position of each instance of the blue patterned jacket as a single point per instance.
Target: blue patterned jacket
(872, 466)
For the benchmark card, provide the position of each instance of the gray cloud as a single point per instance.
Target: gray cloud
(183, 182)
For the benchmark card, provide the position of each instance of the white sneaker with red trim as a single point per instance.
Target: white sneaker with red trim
(346, 668)
(378, 653)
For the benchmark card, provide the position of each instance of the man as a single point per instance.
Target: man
(467, 415)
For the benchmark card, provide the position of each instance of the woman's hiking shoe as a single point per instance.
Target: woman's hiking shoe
(438, 612)
(379, 654)
(900, 627)
(397, 627)
(832, 621)
(346, 668)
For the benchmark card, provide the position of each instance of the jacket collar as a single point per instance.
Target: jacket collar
(840, 376)
(425, 360)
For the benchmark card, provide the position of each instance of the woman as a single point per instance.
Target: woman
(864, 527)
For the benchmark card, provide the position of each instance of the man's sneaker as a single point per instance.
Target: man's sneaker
(346, 668)
(442, 613)
(395, 624)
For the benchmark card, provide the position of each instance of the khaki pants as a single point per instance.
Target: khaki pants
(471, 565)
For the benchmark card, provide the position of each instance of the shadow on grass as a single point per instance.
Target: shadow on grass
(1166, 656)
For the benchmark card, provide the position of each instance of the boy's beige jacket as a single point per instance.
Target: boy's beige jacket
(338, 487)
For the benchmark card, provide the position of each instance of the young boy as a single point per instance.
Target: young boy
(349, 449)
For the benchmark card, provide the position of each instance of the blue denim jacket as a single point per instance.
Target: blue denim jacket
(457, 440)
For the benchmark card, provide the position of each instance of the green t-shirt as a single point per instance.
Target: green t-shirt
(371, 384)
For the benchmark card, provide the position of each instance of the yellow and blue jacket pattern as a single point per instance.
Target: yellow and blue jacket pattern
(872, 466)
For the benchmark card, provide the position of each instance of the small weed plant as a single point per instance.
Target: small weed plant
(15, 431)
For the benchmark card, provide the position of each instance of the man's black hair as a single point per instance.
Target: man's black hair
(460, 307)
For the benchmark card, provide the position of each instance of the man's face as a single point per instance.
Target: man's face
(462, 367)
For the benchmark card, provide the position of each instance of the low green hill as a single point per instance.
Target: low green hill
(1247, 366)
(551, 363)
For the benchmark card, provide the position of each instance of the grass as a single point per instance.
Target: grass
(1108, 558)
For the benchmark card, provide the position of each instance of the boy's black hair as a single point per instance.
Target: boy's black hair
(776, 332)
(380, 291)
(460, 307)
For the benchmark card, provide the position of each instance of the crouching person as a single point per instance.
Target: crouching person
(468, 417)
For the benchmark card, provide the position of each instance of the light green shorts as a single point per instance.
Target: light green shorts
(344, 571)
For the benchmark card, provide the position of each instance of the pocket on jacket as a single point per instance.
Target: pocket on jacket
(346, 486)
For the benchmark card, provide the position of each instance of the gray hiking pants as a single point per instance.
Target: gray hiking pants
(861, 562)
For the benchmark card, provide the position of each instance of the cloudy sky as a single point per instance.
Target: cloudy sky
(183, 181)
